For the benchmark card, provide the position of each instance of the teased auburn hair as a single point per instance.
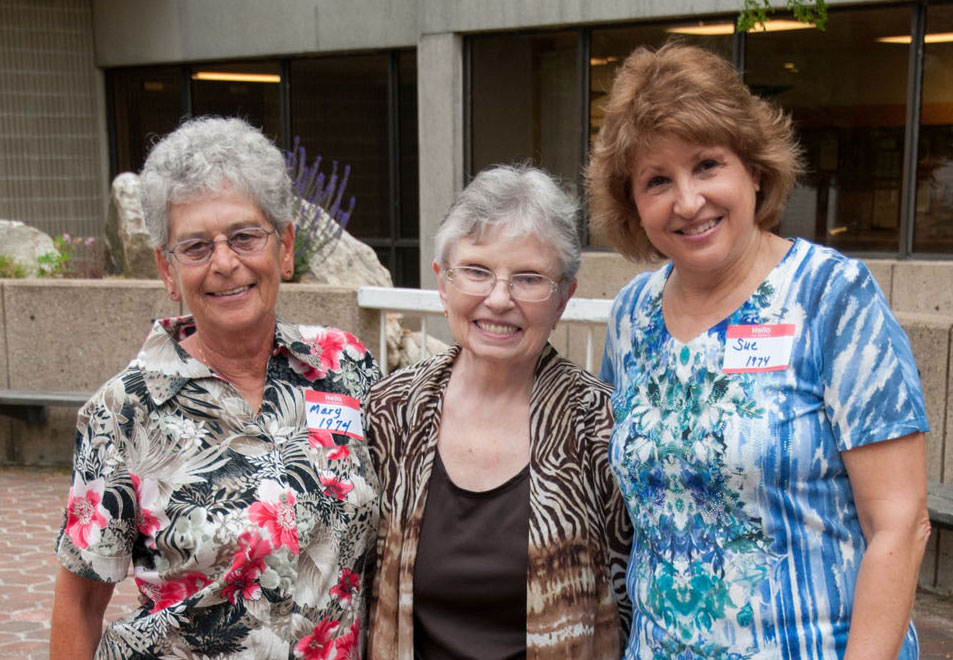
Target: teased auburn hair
(695, 95)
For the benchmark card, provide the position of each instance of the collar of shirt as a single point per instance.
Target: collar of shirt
(166, 367)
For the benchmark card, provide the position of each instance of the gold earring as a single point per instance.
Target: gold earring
(173, 295)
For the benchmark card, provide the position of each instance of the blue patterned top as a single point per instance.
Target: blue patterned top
(747, 542)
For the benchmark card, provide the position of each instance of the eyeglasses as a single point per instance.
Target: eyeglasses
(195, 251)
(476, 281)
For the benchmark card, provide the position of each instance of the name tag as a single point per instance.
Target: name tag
(337, 413)
(753, 348)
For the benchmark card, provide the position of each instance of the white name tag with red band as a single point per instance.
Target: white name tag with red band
(754, 348)
(337, 413)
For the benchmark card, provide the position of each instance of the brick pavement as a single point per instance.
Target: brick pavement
(31, 509)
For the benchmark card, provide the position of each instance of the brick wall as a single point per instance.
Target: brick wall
(52, 170)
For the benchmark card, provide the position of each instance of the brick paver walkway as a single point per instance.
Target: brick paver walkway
(31, 509)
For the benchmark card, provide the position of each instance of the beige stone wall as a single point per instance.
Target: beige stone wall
(72, 335)
(52, 121)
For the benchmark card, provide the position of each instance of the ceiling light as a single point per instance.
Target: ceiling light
(932, 38)
(222, 76)
(729, 28)
(602, 61)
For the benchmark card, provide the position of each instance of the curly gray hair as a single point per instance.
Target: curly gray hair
(523, 201)
(207, 155)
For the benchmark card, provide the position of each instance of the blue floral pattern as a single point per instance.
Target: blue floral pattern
(746, 540)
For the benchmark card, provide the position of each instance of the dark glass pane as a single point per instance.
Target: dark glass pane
(846, 90)
(933, 230)
(147, 104)
(339, 111)
(249, 90)
(610, 46)
(525, 102)
(407, 271)
(408, 168)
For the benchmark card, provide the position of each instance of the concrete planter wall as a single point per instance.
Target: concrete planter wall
(73, 335)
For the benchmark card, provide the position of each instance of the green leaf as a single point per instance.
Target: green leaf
(754, 13)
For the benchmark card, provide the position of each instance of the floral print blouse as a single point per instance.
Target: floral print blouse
(747, 542)
(250, 534)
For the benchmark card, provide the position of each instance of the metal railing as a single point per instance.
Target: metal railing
(593, 313)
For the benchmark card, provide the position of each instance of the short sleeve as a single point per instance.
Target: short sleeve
(99, 527)
(610, 370)
(871, 384)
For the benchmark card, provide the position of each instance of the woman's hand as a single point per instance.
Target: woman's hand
(77, 623)
(889, 483)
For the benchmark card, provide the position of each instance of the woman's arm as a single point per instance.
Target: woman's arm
(77, 623)
(889, 483)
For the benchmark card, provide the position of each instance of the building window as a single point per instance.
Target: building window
(250, 90)
(525, 92)
(358, 110)
(933, 227)
(847, 92)
(361, 111)
(847, 88)
(610, 46)
(146, 104)
(524, 103)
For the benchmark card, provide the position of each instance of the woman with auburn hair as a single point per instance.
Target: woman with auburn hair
(769, 418)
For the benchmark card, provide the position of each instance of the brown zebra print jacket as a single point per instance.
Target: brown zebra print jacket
(579, 532)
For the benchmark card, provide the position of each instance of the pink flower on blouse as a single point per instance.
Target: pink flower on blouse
(150, 517)
(334, 487)
(168, 593)
(318, 645)
(348, 585)
(355, 347)
(276, 513)
(346, 645)
(328, 344)
(323, 438)
(247, 567)
(85, 515)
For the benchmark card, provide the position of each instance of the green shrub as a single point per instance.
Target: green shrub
(11, 268)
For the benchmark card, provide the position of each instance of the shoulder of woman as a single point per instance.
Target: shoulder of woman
(576, 382)
(416, 377)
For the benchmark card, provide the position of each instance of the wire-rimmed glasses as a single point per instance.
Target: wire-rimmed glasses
(477, 281)
(196, 251)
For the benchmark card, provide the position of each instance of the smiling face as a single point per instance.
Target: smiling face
(229, 293)
(496, 327)
(696, 203)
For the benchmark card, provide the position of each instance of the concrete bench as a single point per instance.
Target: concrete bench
(30, 406)
(940, 504)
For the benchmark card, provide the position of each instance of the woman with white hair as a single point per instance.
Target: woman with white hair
(226, 463)
(502, 532)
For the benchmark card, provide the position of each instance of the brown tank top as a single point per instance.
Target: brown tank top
(470, 571)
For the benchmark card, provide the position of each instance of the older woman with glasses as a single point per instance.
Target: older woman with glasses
(226, 463)
(502, 532)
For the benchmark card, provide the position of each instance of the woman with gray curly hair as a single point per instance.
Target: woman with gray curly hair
(226, 463)
(502, 533)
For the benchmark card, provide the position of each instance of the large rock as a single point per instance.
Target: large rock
(345, 261)
(24, 244)
(128, 250)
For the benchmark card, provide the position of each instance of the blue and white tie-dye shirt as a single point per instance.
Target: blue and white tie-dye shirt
(747, 543)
